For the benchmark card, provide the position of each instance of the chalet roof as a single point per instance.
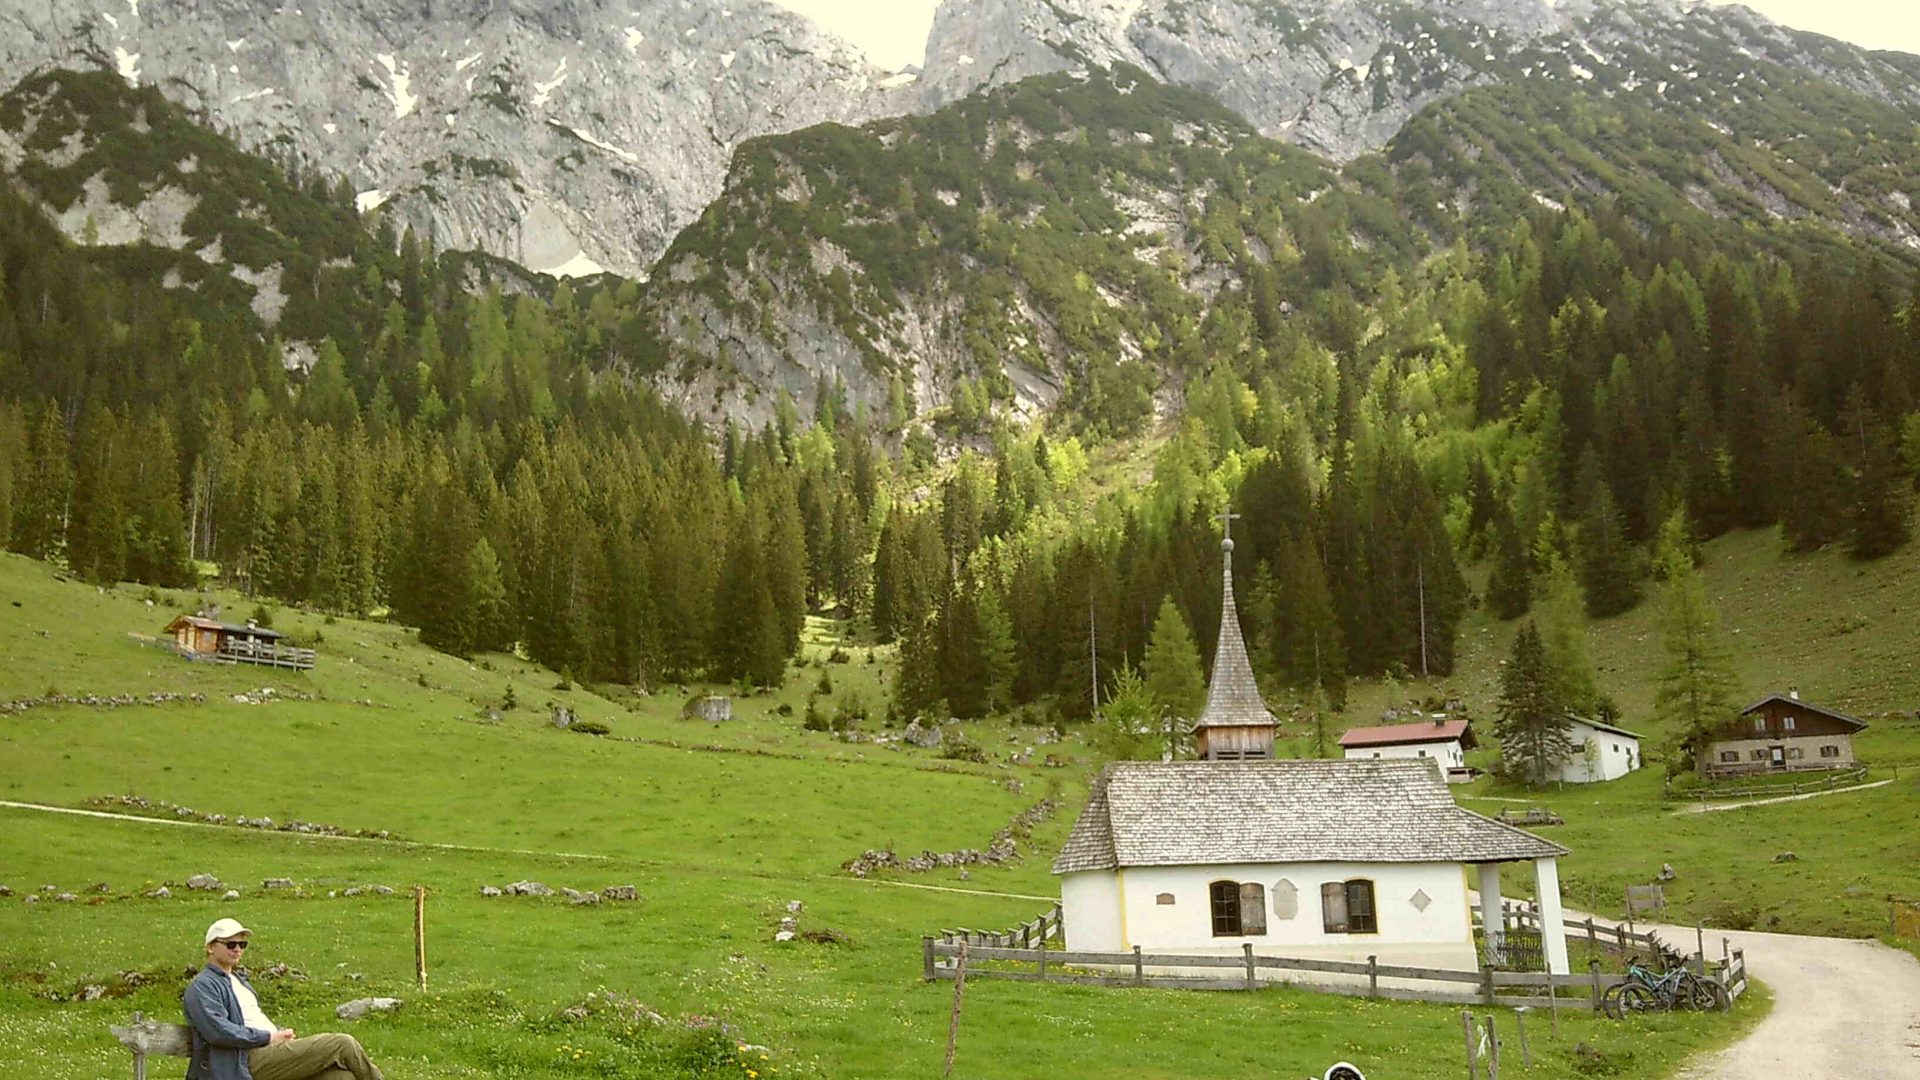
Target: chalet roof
(200, 623)
(1794, 701)
(1233, 699)
(1198, 813)
(1600, 725)
(1407, 734)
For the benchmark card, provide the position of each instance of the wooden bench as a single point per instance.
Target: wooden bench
(1533, 815)
(146, 1037)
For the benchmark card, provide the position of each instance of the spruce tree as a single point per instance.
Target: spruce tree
(1174, 678)
(1606, 562)
(1559, 616)
(1509, 583)
(1696, 683)
(45, 487)
(1130, 726)
(1877, 502)
(997, 650)
(1533, 727)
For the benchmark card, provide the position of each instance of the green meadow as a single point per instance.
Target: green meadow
(718, 826)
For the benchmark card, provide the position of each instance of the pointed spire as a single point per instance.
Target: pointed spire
(1233, 698)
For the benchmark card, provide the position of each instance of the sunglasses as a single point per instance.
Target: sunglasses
(237, 945)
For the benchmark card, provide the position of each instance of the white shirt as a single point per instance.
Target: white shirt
(250, 1011)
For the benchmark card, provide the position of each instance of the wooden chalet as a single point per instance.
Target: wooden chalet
(1780, 733)
(199, 638)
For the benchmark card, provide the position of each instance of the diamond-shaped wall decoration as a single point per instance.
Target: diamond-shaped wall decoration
(1420, 900)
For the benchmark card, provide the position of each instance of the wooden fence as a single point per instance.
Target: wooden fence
(1032, 934)
(266, 654)
(939, 960)
(1827, 782)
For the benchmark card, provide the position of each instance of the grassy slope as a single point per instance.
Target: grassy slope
(1841, 631)
(717, 840)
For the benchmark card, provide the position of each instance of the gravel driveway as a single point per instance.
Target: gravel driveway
(1843, 1010)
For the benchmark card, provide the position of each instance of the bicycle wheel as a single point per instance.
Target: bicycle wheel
(1708, 995)
(1638, 998)
(1610, 1000)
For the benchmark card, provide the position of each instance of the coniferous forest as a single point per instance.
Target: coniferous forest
(482, 456)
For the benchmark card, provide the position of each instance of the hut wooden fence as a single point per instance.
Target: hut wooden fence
(1828, 782)
(1249, 970)
(266, 654)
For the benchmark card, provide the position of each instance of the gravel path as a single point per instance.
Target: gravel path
(1843, 1010)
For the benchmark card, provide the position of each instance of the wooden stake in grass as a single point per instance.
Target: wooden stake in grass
(420, 934)
(1466, 1025)
(959, 989)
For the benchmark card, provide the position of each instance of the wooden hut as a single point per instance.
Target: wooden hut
(200, 638)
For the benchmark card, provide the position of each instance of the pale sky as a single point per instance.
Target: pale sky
(893, 33)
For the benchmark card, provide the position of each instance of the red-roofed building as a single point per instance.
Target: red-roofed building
(1446, 741)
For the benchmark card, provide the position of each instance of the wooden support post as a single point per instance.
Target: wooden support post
(1139, 968)
(1493, 1050)
(1043, 959)
(1373, 976)
(1593, 967)
(1466, 1025)
(953, 1021)
(1553, 1006)
(926, 957)
(1520, 1024)
(1700, 947)
(1247, 952)
(420, 935)
(1592, 941)
(1486, 984)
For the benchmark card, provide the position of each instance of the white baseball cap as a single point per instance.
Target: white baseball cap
(226, 928)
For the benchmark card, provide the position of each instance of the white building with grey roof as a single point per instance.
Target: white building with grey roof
(1312, 859)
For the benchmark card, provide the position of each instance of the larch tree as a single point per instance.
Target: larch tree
(1696, 683)
(1175, 681)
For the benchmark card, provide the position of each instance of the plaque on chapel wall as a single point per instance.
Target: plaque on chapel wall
(1286, 899)
(1165, 899)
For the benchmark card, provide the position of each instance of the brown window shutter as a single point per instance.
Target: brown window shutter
(1253, 908)
(1333, 907)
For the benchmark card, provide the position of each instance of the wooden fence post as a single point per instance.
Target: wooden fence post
(1593, 967)
(1043, 959)
(1592, 941)
(1466, 1024)
(926, 957)
(1486, 984)
(139, 1056)
(1700, 946)
(953, 1022)
(1493, 1050)
(1247, 952)
(1373, 976)
(1139, 969)
(420, 934)
(1520, 1022)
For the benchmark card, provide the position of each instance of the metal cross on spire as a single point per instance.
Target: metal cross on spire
(1227, 517)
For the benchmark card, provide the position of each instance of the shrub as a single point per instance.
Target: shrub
(825, 685)
(842, 656)
(590, 727)
(262, 617)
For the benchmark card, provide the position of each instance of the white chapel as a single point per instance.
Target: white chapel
(1312, 859)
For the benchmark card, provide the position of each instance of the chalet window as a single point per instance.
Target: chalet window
(1829, 751)
(1729, 755)
(1786, 723)
(1795, 753)
(1759, 723)
(1238, 910)
(1346, 907)
(1757, 755)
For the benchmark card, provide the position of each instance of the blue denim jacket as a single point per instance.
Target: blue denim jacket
(220, 1038)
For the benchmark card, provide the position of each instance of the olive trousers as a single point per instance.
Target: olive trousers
(331, 1056)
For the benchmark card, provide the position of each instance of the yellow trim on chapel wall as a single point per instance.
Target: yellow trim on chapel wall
(1120, 883)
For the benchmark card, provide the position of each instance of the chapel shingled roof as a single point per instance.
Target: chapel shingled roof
(1233, 699)
(1193, 813)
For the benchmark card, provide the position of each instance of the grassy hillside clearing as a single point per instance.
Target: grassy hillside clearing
(716, 839)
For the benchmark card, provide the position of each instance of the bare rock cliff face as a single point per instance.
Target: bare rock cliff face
(1340, 77)
(568, 136)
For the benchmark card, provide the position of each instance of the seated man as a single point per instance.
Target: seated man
(234, 1040)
